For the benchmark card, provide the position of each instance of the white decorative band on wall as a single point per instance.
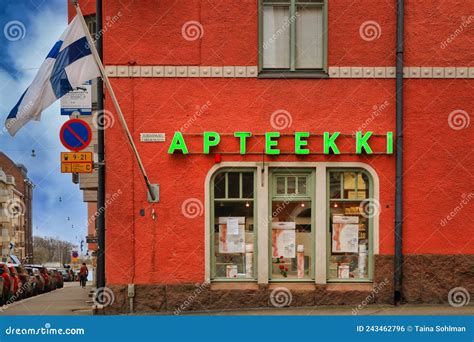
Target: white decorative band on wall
(180, 71)
(408, 72)
(252, 71)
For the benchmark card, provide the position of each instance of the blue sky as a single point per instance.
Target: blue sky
(39, 24)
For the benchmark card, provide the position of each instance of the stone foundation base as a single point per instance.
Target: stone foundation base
(427, 279)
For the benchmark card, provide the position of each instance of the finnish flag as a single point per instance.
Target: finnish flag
(69, 64)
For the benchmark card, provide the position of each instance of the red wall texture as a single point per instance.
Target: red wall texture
(439, 160)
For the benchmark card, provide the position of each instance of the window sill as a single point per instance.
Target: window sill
(363, 287)
(319, 74)
(216, 286)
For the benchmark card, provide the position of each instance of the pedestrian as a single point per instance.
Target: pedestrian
(83, 273)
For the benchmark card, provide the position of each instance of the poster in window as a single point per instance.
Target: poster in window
(345, 234)
(232, 235)
(284, 239)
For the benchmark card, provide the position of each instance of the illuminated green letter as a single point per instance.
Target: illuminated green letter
(330, 142)
(210, 139)
(269, 143)
(362, 142)
(243, 139)
(178, 144)
(299, 142)
(389, 142)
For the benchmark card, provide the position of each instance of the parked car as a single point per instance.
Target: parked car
(17, 284)
(49, 283)
(29, 282)
(65, 274)
(58, 278)
(27, 286)
(1, 290)
(35, 273)
(7, 283)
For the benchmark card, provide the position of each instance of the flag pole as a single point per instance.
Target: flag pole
(114, 99)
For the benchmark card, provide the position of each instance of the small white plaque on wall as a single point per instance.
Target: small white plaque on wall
(152, 137)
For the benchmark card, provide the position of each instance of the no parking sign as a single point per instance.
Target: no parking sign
(75, 134)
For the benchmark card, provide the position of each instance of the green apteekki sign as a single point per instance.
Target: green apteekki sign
(212, 139)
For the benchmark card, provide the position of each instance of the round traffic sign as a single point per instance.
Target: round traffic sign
(75, 134)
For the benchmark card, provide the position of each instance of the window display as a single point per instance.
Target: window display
(234, 231)
(349, 225)
(291, 227)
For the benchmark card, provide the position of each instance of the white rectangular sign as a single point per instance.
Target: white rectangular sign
(152, 137)
(78, 101)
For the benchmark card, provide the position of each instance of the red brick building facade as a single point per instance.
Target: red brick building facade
(317, 67)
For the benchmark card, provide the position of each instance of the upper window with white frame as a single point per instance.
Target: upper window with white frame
(293, 37)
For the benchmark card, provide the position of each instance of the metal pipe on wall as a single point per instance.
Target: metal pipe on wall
(398, 260)
(101, 158)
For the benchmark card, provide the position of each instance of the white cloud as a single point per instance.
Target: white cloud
(50, 215)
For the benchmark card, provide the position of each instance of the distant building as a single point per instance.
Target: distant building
(88, 182)
(16, 192)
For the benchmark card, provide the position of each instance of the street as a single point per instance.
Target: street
(70, 300)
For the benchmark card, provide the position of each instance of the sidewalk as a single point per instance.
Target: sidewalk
(70, 300)
(371, 310)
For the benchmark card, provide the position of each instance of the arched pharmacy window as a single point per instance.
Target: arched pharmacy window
(291, 225)
(351, 210)
(233, 225)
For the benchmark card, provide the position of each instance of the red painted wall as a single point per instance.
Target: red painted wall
(438, 159)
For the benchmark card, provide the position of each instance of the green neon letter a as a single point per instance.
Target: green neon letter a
(178, 144)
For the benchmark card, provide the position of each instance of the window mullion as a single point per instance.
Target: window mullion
(356, 185)
(241, 192)
(226, 195)
(342, 185)
(292, 35)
